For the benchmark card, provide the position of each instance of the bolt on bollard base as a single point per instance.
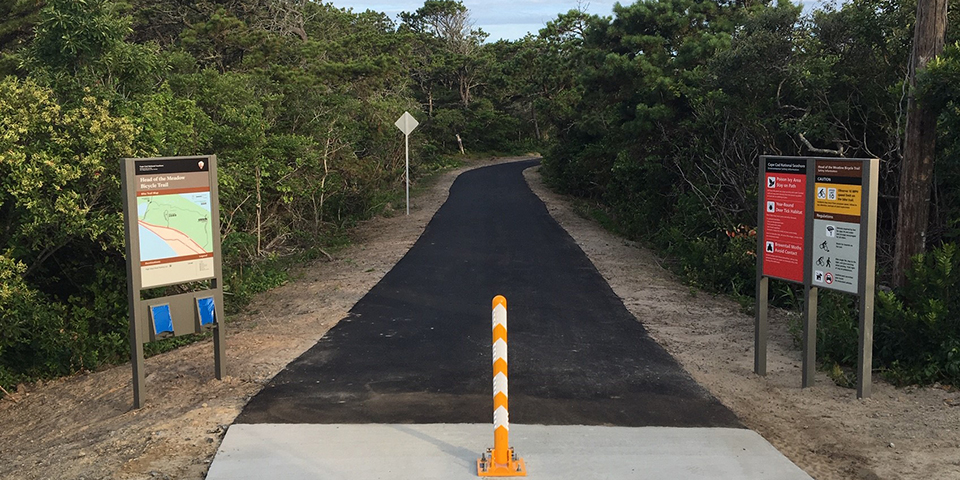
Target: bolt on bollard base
(489, 466)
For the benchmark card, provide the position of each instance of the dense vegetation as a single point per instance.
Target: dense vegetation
(674, 102)
(655, 117)
(296, 98)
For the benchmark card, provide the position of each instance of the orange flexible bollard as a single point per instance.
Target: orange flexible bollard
(502, 461)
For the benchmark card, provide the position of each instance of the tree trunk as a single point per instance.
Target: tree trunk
(323, 181)
(916, 171)
(259, 213)
(464, 91)
(536, 124)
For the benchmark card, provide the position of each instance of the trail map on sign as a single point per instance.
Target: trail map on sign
(174, 225)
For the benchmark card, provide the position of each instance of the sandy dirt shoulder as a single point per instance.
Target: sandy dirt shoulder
(911, 433)
(83, 427)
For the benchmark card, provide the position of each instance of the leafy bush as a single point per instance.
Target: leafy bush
(62, 241)
(918, 327)
(838, 328)
(30, 333)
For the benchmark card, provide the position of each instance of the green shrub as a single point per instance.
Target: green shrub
(61, 263)
(838, 328)
(918, 327)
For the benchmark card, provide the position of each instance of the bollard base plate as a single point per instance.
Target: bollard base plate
(515, 467)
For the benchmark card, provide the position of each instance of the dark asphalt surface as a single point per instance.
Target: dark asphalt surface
(416, 348)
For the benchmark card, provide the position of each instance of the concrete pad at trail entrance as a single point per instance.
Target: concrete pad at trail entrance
(448, 452)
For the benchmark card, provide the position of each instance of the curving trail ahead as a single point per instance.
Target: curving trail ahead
(416, 348)
(402, 387)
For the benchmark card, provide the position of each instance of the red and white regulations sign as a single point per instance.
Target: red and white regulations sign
(784, 200)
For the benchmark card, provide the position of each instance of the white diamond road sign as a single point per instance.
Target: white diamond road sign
(406, 123)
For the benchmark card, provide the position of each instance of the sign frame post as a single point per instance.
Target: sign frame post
(843, 192)
(808, 364)
(868, 279)
(192, 181)
(808, 360)
(406, 123)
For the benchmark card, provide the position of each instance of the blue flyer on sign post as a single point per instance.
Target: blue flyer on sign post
(207, 311)
(162, 320)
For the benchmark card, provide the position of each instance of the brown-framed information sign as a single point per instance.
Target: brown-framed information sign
(172, 227)
(817, 227)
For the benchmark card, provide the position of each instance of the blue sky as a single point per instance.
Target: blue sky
(507, 19)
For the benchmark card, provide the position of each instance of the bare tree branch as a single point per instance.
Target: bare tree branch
(813, 149)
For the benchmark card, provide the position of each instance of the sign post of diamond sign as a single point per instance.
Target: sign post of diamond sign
(817, 227)
(172, 226)
(406, 123)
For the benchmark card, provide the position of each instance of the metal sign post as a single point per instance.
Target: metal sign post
(406, 123)
(817, 227)
(172, 225)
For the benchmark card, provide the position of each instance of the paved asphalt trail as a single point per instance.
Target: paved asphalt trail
(416, 348)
